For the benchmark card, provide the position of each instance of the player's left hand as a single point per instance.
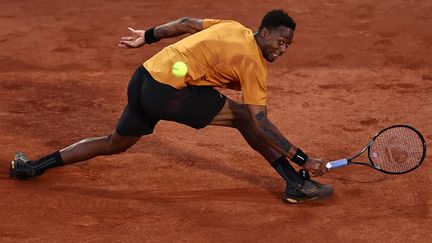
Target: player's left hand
(316, 166)
(134, 41)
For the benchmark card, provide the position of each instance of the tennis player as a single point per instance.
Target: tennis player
(218, 53)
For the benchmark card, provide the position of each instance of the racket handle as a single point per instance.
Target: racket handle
(337, 163)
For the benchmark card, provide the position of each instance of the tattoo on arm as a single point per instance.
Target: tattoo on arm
(271, 131)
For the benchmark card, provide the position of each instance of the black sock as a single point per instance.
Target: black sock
(285, 169)
(49, 161)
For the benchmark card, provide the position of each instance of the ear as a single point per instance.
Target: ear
(264, 32)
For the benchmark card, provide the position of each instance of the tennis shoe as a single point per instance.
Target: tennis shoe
(309, 190)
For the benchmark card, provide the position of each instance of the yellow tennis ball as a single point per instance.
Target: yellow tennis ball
(179, 69)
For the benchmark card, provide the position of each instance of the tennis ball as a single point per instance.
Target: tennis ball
(179, 69)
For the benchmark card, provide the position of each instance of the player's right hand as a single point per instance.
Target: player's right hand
(316, 166)
(134, 41)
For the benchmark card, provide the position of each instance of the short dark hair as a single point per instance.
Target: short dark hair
(276, 18)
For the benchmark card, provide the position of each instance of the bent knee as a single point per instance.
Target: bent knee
(118, 149)
(117, 146)
(240, 114)
(240, 111)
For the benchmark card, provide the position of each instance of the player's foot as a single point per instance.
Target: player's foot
(309, 190)
(20, 168)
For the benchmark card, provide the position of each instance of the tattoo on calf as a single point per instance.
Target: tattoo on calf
(271, 132)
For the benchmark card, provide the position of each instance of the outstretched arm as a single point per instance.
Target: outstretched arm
(174, 28)
(271, 135)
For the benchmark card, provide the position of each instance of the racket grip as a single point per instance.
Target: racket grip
(337, 163)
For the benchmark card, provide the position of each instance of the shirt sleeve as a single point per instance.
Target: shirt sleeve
(253, 81)
(209, 22)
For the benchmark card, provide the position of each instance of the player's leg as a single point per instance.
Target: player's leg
(83, 150)
(299, 185)
(132, 124)
(236, 115)
(89, 148)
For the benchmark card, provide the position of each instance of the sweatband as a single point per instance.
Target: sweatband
(300, 157)
(149, 36)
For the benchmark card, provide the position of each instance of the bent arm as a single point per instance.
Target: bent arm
(178, 27)
(268, 132)
(174, 28)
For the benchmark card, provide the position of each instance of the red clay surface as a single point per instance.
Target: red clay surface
(355, 68)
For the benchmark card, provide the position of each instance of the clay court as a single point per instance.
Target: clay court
(355, 67)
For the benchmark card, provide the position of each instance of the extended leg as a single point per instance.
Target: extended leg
(80, 151)
(235, 115)
(92, 147)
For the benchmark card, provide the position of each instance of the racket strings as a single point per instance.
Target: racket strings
(397, 150)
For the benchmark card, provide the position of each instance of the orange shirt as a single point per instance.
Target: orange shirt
(223, 54)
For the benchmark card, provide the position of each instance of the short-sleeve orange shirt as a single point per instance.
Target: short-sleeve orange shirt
(224, 54)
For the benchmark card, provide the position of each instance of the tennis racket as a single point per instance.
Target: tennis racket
(394, 150)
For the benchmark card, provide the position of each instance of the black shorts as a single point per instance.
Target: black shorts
(150, 101)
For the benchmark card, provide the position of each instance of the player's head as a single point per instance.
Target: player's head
(275, 34)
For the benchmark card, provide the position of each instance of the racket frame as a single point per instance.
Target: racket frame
(344, 162)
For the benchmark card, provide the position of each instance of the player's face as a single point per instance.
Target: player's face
(276, 41)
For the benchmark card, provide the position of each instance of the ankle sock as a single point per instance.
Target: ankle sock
(285, 169)
(49, 161)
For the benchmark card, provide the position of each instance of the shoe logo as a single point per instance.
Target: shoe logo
(291, 200)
